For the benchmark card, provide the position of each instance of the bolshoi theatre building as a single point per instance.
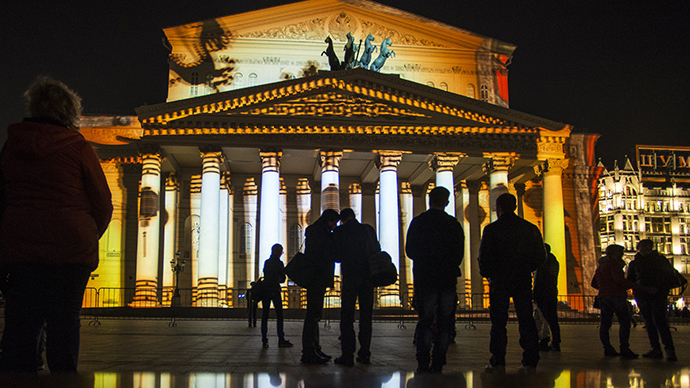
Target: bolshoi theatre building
(268, 122)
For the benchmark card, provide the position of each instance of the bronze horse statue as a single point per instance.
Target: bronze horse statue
(384, 53)
(333, 60)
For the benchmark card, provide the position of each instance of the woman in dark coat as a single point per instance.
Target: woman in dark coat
(55, 205)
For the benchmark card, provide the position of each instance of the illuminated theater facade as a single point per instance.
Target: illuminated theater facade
(259, 135)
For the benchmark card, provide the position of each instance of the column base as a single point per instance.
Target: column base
(389, 296)
(146, 294)
(207, 293)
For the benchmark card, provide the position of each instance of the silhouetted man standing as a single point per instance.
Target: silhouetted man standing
(511, 249)
(319, 249)
(436, 243)
(645, 270)
(355, 242)
(274, 274)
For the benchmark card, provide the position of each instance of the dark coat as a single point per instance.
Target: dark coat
(274, 274)
(546, 278)
(646, 271)
(511, 249)
(436, 244)
(610, 280)
(319, 247)
(355, 243)
(56, 200)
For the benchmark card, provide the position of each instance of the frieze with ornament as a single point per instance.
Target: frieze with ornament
(337, 26)
(338, 105)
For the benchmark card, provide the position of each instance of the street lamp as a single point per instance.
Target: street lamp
(177, 266)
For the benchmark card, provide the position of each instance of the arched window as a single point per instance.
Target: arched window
(238, 80)
(253, 79)
(443, 86)
(470, 91)
(484, 93)
(429, 83)
(294, 241)
(194, 90)
(246, 232)
(209, 81)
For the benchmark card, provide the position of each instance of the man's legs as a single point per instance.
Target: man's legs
(366, 306)
(265, 309)
(498, 311)
(445, 320)
(549, 311)
(347, 319)
(661, 320)
(646, 310)
(621, 311)
(67, 284)
(24, 297)
(310, 331)
(607, 309)
(277, 299)
(529, 338)
(426, 301)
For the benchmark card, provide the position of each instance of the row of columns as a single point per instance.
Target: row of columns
(211, 214)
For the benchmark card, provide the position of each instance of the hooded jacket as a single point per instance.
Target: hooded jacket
(55, 201)
(610, 279)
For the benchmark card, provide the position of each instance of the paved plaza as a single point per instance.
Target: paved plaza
(228, 354)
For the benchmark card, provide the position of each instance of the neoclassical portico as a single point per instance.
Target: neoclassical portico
(237, 183)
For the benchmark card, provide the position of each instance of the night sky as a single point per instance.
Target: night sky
(616, 68)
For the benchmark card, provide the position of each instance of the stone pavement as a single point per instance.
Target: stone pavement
(151, 354)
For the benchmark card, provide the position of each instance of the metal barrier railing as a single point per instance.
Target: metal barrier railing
(390, 304)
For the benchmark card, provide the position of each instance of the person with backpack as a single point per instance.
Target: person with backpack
(647, 269)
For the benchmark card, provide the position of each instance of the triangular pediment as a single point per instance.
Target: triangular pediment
(343, 99)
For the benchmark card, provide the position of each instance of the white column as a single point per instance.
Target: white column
(149, 231)
(269, 216)
(442, 164)
(355, 191)
(330, 180)
(208, 239)
(388, 204)
(251, 193)
(377, 204)
(554, 217)
(303, 208)
(407, 205)
(463, 203)
(283, 220)
(195, 218)
(223, 255)
(170, 237)
(232, 279)
(497, 169)
(429, 187)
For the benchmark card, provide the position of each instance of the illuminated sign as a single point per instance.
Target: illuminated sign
(663, 163)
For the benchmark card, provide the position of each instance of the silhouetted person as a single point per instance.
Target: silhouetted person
(274, 274)
(511, 249)
(355, 243)
(436, 244)
(644, 270)
(55, 206)
(546, 298)
(609, 279)
(252, 303)
(319, 249)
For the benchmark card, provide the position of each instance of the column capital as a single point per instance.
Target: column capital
(225, 181)
(270, 160)
(150, 149)
(171, 182)
(388, 160)
(283, 188)
(330, 160)
(474, 186)
(520, 188)
(430, 187)
(551, 167)
(445, 161)
(498, 161)
(250, 187)
(405, 188)
(355, 188)
(303, 186)
(195, 184)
